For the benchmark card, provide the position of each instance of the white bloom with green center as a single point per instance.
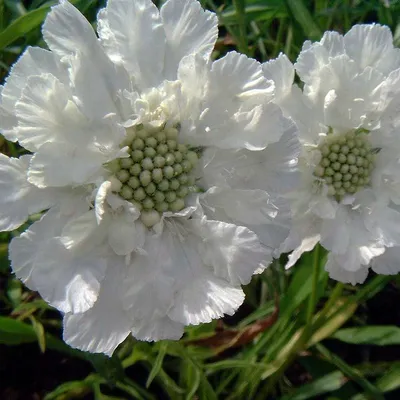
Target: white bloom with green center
(349, 126)
(147, 156)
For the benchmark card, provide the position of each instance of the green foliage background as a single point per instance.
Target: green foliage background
(298, 335)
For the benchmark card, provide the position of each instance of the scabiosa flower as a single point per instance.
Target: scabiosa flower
(348, 120)
(146, 155)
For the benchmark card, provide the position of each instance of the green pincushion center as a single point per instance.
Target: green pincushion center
(158, 174)
(346, 163)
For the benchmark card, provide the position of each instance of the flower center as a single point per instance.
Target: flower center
(346, 164)
(157, 176)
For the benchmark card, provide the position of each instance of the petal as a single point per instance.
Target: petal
(337, 272)
(125, 235)
(24, 249)
(205, 298)
(83, 231)
(335, 234)
(385, 223)
(273, 169)
(188, 29)
(63, 164)
(267, 216)
(307, 244)
(34, 61)
(372, 45)
(19, 198)
(388, 263)
(304, 235)
(236, 112)
(281, 72)
(67, 282)
(314, 56)
(148, 287)
(132, 35)
(102, 328)
(234, 252)
(67, 32)
(42, 111)
(94, 77)
(162, 328)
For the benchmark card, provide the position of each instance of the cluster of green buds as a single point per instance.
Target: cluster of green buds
(346, 163)
(157, 175)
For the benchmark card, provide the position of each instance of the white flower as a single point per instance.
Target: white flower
(157, 166)
(349, 123)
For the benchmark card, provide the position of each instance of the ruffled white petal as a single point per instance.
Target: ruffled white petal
(148, 287)
(235, 108)
(372, 45)
(388, 263)
(233, 251)
(45, 112)
(19, 198)
(184, 37)
(102, 328)
(95, 78)
(65, 164)
(267, 216)
(67, 32)
(155, 329)
(83, 232)
(66, 281)
(132, 35)
(337, 272)
(273, 169)
(125, 235)
(205, 298)
(25, 248)
(34, 61)
(281, 72)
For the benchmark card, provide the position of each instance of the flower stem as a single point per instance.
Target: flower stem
(313, 297)
(307, 331)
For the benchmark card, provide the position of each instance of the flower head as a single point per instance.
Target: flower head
(349, 125)
(147, 157)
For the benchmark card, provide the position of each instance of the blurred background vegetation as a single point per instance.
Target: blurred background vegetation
(298, 335)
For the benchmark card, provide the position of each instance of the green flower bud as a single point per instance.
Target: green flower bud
(135, 170)
(145, 177)
(126, 192)
(149, 152)
(137, 155)
(134, 182)
(123, 175)
(126, 162)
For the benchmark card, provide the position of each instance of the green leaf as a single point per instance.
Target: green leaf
(39, 330)
(13, 332)
(256, 11)
(26, 23)
(300, 286)
(157, 364)
(376, 335)
(23, 25)
(328, 383)
(388, 382)
(304, 18)
(350, 372)
(332, 324)
(69, 390)
(14, 291)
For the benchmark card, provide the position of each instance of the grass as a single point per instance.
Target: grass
(298, 335)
